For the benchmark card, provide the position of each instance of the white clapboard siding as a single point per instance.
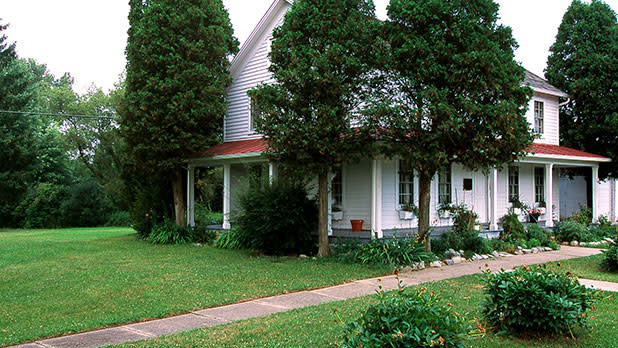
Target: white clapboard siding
(551, 117)
(356, 195)
(252, 72)
(604, 199)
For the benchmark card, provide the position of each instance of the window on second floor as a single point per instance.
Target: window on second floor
(406, 183)
(444, 186)
(513, 184)
(539, 114)
(539, 185)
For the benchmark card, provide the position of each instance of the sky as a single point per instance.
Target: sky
(87, 38)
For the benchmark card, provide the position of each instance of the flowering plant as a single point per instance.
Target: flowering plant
(534, 214)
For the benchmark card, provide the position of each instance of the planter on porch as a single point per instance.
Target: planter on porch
(357, 225)
(337, 215)
(406, 215)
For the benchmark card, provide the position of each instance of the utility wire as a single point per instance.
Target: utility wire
(57, 114)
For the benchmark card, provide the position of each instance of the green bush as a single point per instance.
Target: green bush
(169, 233)
(512, 228)
(201, 234)
(40, 207)
(276, 219)
(407, 318)
(204, 216)
(569, 230)
(464, 236)
(229, 239)
(540, 234)
(533, 243)
(610, 258)
(583, 216)
(448, 240)
(119, 219)
(85, 205)
(395, 252)
(476, 244)
(535, 301)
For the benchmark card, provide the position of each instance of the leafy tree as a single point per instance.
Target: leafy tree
(177, 73)
(449, 92)
(30, 152)
(318, 60)
(584, 63)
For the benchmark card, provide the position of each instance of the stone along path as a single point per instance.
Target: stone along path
(280, 303)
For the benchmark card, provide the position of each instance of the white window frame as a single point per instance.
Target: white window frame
(398, 182)
(332, 198)
(539, 117)
(508, 182)
(449, 170)
(542, 185)
(251, 125)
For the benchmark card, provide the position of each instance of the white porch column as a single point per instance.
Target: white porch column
(595, 195)
(191, 196)
(549, 195)
(272, 172)
(493, 223)
(376, 199)
(613, 198)
(226, 195)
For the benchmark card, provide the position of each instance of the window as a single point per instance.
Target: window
(539, 185)
(539, 112)
(257, 174)
(513, 184)
(336, 189)
(254, 113)
(444, 186)
(467, 184)
(406, 183)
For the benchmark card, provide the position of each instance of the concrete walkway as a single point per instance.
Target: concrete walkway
(280, 303)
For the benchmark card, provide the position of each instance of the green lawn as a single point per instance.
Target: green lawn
(320, 326)
(589, 267)
(54, 282)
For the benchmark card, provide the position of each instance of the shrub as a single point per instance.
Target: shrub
(535, 301)
(276, 219)
(169, 233)
(201, 234)
(448, 240)
(229, 239)
(85, 205)
(583, 216)
(476, 244)
(204, 216)
(569, 230)
(540, 234)
(407, 318)
(610, 258)
(394, 252)
(512, 228)
(533, 243)
(119, 219)
(40, 207)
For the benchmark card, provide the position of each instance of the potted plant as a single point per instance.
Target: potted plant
(408, 212)
(357, 225)
(533, 215)
(516, 205)
(444, 210)
(336, 213)
(541, 207)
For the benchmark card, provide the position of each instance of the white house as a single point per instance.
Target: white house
(374, 190)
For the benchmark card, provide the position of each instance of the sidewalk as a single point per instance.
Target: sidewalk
(280, 303)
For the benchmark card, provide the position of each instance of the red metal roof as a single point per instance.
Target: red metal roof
(260, 145)
(236, 148)
(546, 149)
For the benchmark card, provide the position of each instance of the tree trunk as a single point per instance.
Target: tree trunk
(324, 248)
(179, 202)
(424, 194)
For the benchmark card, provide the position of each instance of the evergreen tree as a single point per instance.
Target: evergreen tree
(584, 63)
(449, 91)
(177, 73)
(318, 60)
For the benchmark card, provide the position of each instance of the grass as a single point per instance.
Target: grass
(55, 282)
(320, 326)
(588, 267)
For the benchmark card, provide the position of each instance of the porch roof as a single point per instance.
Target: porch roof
(232, 149)
(562, 152)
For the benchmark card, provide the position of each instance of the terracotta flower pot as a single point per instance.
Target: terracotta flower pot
(357, 225)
